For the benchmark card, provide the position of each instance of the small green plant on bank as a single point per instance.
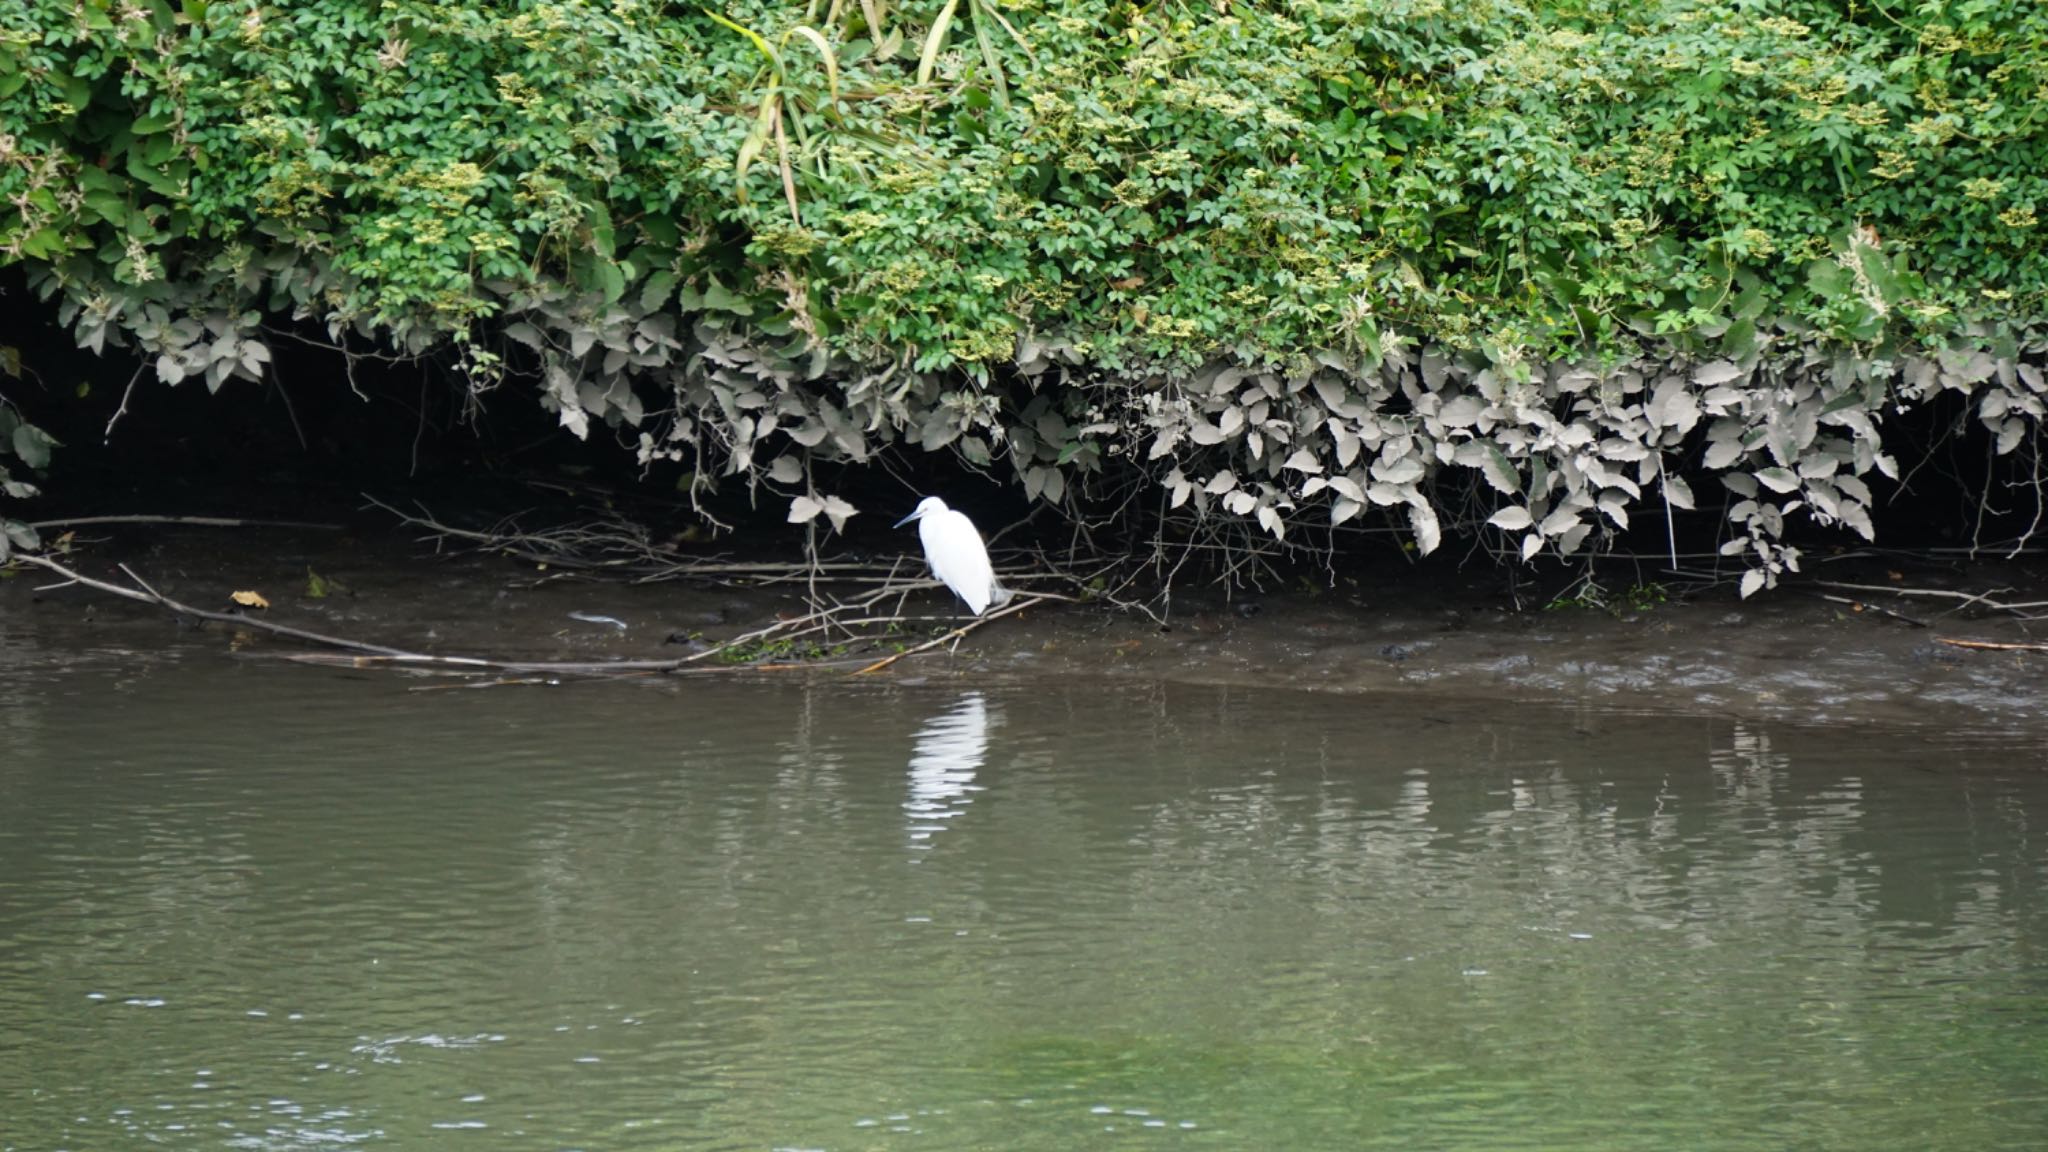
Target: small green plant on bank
(778, 651)
(1523, 270)
(1590, 594)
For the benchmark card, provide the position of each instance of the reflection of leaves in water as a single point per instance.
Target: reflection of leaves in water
(949, 750)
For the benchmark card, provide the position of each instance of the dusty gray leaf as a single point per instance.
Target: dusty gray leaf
(1615, 506)
(1716, 372)
(1303, 461)
(1347, 445)
(1513, 519)
(1460, 412)
(1501, 474)
(1428, 533)
(1405, 470)
(1779, 480)
(1722, 453)
(1672, 406)
(839, 511)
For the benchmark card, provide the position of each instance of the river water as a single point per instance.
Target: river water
(247, 905)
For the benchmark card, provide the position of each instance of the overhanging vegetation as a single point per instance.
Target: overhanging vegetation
(1508, 267)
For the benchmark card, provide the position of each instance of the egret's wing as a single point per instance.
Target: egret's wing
(958, 559)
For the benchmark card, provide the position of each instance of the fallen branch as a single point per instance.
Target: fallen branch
(1967, 599)
(1863, 606)
(1992, 645)
(201, 521)
(148, 595)
(358, 654)
(956, 634)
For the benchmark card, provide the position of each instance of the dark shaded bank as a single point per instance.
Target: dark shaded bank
(1369, 618)
(1380, 632)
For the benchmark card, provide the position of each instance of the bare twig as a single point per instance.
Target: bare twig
(123, 409)
(860, 618)
(1992, 645)
(955, 634)
(199, 521)
(1865, 606)
(1967, 599)
(148, 595)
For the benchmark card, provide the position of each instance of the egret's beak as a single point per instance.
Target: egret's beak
(906, 520)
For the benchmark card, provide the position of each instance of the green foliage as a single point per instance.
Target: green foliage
(29, 447)
(1589, 594)
(1261, 245)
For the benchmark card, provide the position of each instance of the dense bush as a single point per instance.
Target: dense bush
(1518, 263)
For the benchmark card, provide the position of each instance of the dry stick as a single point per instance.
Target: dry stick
(1865, 606)
(201, 521)
(366, 655)
(121, 411)
(956, 634)
(1993, 645)
(150, 595)
(1967, 598)
(660, 563)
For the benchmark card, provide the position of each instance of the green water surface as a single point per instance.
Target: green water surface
(254, 906)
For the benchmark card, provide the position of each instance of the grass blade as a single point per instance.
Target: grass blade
(767, 49)
(1014, 34)
(997, 85)
(933, 39)
(824, 48)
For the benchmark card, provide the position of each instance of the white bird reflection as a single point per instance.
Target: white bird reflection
(949, 751)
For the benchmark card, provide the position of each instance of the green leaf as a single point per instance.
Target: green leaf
(33, 445)
(21, 535)
(610, 280)
(655, 293)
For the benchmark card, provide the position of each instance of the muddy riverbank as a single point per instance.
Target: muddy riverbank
(1385, 629)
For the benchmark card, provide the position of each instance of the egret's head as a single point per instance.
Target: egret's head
(925, 507)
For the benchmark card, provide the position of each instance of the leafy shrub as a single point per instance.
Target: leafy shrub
(1505, 266)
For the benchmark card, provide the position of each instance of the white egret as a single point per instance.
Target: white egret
(957, 556)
